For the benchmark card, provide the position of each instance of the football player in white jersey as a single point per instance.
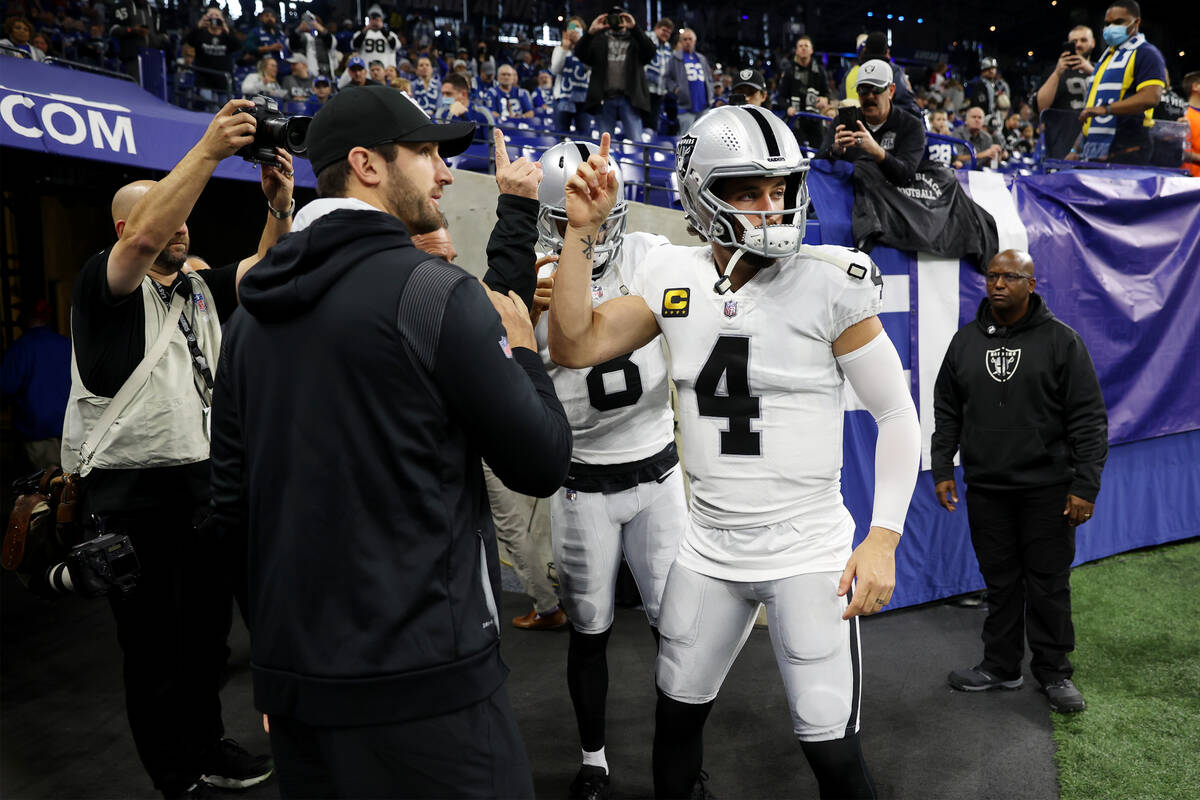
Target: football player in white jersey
(624, 492)
(762, 334)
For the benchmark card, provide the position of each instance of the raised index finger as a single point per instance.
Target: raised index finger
(501, 149)
(604, 142)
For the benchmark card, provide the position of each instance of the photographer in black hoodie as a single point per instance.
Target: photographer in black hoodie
(363, 382)
(1018, 392)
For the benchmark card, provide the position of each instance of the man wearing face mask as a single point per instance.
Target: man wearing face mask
(1127, 85)
(455, 105)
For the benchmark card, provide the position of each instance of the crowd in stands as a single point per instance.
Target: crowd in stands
(613, 74)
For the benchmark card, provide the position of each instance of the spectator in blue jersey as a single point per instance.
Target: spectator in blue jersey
(322, 91)
(656, 70)
(343, 35)
(485, 82)
(427, 88)
(1128, 83)
(268, 39)
(618, 55)
(508, 100)
(456, 106)
(571, 82)
(690, 79)
(543, 95)
(35, 377)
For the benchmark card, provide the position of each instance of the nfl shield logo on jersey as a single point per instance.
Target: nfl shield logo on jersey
(597, 291)
(731, 308)
(1002, 363)
(571, 495)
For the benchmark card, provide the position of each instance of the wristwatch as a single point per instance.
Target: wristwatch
(282, 214)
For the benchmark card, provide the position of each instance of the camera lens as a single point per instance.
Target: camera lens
(295, 135)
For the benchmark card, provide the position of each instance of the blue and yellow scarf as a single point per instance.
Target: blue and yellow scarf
(1113, 77)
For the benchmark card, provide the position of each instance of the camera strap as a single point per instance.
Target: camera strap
(198, 360)
(91, 443)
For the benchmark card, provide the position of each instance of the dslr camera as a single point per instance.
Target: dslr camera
(614, 17)
(97, 567)
(274, 129)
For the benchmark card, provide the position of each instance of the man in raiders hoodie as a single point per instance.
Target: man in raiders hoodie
(1018, 394)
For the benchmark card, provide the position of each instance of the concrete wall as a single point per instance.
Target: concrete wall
(470, 206)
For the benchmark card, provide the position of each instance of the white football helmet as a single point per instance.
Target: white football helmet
(558, 164)
(740, 141)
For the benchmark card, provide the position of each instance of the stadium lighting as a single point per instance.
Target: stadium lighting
(900, 18)
(920, 20)
(889, 16)
(992, 29)
(1030, 54)
(560, 18)
(1182, 53)
(870, 13)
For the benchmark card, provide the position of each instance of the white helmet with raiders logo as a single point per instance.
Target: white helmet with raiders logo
(742, 141)
(559, 163)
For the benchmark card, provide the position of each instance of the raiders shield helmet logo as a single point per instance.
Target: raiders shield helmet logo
(888, 140)
(683, 152)
(1002, 363)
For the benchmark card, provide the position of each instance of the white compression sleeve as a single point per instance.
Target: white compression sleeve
(878, 379)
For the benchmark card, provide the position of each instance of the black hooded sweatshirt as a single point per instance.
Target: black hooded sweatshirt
(359, 385)
(1023, 402)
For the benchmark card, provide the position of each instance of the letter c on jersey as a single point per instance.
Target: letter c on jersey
(675, 302)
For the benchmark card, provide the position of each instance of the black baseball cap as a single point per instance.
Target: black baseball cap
(750, 77)
(368, 116)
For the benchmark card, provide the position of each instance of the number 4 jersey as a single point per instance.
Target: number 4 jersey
(620, 411)
(761, 403)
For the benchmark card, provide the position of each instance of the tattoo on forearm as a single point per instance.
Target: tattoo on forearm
(588, 246)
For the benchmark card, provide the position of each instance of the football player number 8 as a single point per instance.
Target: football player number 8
(602, 399)
(730, 357)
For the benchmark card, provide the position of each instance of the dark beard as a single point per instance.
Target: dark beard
(410, 206)
(168, 263)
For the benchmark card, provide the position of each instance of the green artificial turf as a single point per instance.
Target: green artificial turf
(1137, 662)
